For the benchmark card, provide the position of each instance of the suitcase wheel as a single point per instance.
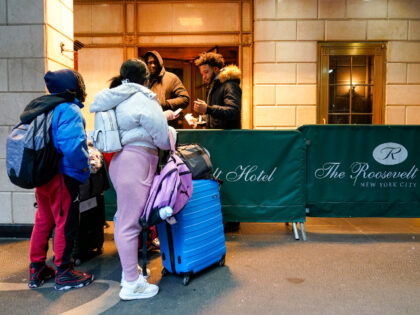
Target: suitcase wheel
(222, 261)
(186, 279)
(164, 272)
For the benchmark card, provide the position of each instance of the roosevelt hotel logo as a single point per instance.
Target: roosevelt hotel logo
(390, 153)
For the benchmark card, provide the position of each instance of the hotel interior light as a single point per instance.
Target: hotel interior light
(190, 21)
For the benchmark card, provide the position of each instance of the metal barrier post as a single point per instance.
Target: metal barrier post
(302, 230)
(295, 231)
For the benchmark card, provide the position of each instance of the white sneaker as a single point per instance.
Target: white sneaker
(140, 270)
(140, 289)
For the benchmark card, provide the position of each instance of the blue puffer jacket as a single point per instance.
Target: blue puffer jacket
(69, 138)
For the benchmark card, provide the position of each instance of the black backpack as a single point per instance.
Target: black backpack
(197, 158)
(31, 158)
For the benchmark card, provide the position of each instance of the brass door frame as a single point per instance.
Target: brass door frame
(376, 49)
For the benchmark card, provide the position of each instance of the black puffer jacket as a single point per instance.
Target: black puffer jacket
(224, 100)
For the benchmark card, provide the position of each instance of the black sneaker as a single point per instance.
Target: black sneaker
(69, 278)
(38, 274)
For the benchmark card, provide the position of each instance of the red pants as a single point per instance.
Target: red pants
(58, 205)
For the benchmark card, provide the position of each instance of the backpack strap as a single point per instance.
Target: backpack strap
(33, 147)
(171, 141)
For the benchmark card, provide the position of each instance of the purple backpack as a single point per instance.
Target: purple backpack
(172, 187)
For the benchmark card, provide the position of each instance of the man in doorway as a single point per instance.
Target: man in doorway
(223, 106)
(168, 87)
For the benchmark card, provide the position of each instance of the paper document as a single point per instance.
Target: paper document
(194, 121)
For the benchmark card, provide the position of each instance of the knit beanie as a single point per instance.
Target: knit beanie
(61, 80)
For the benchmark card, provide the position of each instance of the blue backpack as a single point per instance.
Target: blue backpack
(31, 158)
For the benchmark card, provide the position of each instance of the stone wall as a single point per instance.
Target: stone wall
(285, 64)
(284, 57)
(30, 33)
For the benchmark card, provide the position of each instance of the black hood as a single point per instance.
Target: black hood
(44, 104)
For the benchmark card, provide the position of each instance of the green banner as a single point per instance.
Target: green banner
(263, 172)
(363, 171)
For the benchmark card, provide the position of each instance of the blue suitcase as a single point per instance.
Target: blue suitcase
(197, 240)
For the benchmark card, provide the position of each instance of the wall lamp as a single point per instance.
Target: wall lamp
(76, 46)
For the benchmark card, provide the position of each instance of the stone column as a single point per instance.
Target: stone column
(30, 34)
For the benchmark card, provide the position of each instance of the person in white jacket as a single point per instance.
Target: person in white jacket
(143, 129)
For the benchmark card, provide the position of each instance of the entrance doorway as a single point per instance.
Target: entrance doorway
(180, 60)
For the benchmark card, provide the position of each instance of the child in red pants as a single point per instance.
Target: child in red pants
(58, 202)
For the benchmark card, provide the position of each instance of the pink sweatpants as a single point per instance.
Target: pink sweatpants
(131, 171)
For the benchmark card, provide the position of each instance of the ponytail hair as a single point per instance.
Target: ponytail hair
(115, 81)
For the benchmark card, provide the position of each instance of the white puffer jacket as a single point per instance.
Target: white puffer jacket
(140, 118)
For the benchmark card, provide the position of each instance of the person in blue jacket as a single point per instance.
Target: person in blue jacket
(58, 203)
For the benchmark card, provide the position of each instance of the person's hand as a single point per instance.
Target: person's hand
(200, 106)
(191, 120)
(194, 122)
(170, 115)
